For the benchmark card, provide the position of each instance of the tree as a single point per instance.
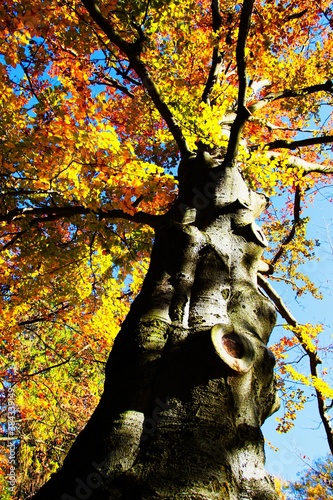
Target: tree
(101, 103)
(315, 484)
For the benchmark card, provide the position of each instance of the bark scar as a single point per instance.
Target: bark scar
(234, 348)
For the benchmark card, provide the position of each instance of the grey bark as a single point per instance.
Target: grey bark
(190, 379)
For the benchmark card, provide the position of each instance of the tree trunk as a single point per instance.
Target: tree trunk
(189, 380)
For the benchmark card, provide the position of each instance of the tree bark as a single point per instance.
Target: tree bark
(189, 380)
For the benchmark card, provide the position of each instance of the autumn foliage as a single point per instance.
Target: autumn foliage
(94, 119)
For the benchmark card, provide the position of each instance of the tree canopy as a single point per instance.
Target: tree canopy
(100, 103)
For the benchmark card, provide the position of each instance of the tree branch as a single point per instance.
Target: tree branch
(314, 362)
(313, 355)
(47, 214)
(50, 214)
(242, 111)
(132, 51)
(306, 166)
(217, 65)
(285, 144)
(48, 368)
(48, 317)
(111, 82)
(284, 94)
(297, 211)
(277, 300)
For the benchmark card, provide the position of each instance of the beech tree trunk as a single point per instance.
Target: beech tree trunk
(189, 380)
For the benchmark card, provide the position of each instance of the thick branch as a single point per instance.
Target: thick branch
(284, 94)
(285, 144)
(306, 166)
(132, 51)
(277, 300)
(47, 214)
(217, 65)
(244, 27)
(242, 111)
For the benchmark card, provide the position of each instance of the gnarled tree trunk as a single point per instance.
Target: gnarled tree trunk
(190, 380)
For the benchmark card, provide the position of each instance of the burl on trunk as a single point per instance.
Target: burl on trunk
(190, 380)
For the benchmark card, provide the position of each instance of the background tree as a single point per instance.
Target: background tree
(101, 102)
(315, 483)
